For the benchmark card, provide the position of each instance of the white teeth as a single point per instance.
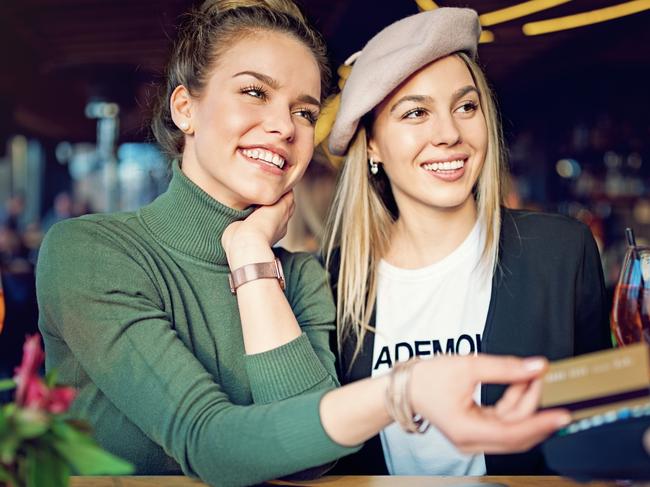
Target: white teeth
(444, 166)
(265, 155)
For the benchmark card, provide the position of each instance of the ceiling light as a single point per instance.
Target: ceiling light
(586, 18)
(426, 4)
(517, 11)
(486, 36)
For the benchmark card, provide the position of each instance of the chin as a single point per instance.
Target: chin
(266, 201)
(450, 204)
(262, 198)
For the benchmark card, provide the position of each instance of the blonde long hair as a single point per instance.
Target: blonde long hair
(363, 211)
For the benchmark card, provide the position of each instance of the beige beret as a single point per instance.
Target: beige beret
(393, 55)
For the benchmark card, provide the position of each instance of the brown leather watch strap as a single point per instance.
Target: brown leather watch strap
(251, 272)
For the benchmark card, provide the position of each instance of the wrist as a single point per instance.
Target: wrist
(399, 397)
(383, 383)
(248, 251)
(252, 272)
(413, 389)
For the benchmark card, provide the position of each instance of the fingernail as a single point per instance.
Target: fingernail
(563, 420)
(534, 364)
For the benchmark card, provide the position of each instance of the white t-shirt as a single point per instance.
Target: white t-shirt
(438, 309)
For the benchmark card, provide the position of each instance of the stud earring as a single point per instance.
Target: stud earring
(184, 125)
(374, 167)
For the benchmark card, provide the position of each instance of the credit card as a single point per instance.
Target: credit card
(599, 382)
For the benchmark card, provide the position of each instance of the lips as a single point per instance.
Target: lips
(447, 169)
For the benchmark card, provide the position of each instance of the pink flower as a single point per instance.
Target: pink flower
(27, 371)
(32, 392)
(35, 394)
(56, 400)
(60, 399)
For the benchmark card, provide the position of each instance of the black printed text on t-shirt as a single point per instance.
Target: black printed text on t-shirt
(402, 351)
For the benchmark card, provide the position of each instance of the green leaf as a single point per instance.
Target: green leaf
(79, 425)
(84, 455)
(4, 475)
(30, 423)
(45, 468)
(7, 384)
(67, 431)
(4, 423)
(8, 446)
(8, 477)
(9, 409)
(50, 378)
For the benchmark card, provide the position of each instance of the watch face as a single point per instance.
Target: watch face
(278, 266)
(233, 289)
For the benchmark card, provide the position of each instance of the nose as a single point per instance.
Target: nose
(279, 121)
(445, 130)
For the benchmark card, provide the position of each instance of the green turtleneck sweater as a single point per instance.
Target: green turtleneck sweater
(137, 314)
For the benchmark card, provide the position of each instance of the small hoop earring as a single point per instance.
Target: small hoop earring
(374, 167)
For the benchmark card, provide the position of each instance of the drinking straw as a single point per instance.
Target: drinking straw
(629, 236)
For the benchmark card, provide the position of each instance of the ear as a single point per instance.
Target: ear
(180, 104)
(373, 150)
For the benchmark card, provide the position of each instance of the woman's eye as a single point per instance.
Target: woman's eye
(255, 91)
(415, 113)
(467, 107)
(309, 115)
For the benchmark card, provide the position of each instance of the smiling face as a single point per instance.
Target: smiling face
(251, 132)
(431, 136)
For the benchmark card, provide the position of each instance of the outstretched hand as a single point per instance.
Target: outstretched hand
(442, 391)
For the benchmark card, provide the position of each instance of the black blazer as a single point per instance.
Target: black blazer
(548, 298)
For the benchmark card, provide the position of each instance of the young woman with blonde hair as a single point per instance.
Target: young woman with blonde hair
(195, 345)
(424, 260)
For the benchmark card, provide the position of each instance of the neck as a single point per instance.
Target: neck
(200, 176)
(189, 220)
(423, 236)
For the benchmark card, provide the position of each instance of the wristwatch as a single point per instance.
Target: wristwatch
(251, 272)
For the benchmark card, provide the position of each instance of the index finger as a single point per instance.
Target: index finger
(507, 369)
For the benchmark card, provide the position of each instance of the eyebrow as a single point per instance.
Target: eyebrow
(275, 84)
(464, 90)
(429, 100)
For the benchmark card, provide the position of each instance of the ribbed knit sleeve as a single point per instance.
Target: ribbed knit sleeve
(306, 363)
(97, 295)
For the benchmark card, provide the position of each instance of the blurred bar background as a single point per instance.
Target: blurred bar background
(77, 78)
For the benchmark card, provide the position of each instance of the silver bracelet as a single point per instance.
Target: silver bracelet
(398, 402)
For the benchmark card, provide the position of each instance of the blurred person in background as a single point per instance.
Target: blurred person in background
(61, 209)
(12, 214)
(13, 252)
(17, 274)
(19, 298)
